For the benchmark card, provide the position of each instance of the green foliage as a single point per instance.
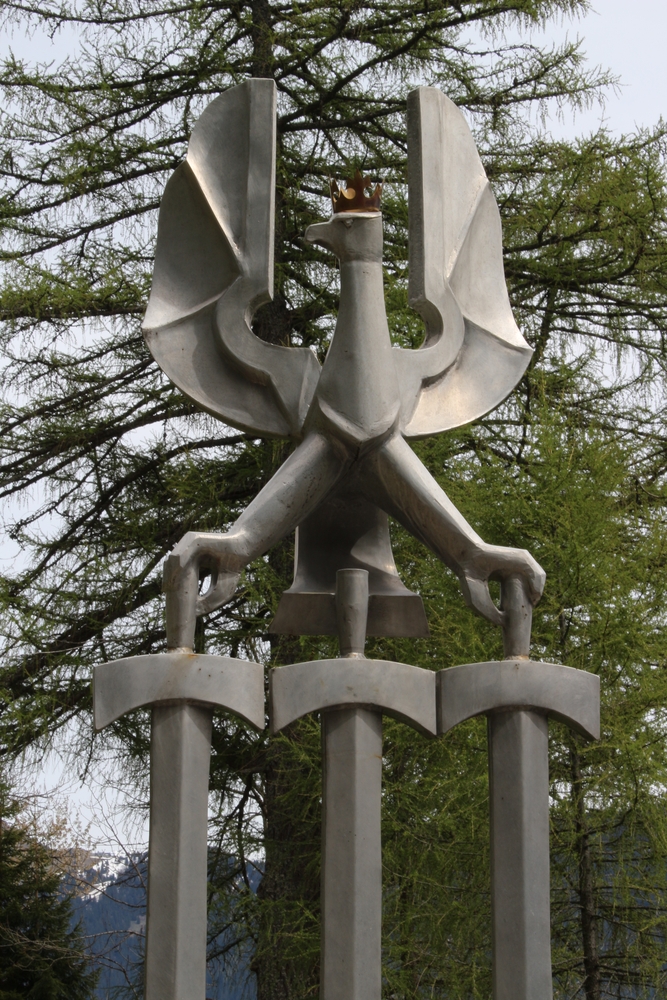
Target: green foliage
(105, 466)
(41, 956)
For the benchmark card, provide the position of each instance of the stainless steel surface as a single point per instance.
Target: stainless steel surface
(404, 692)
(352, 467)
(351, 962)
(221, 681)
(352, 612)
(183, 689)
(351, 441)
(517, 611)
(571, 696)
(509, 692)
(352, 692)
(214, 267)
(473, 354)
(175, 966)
(293, 493)
(351, 958)
(517, 694)
(519, 806)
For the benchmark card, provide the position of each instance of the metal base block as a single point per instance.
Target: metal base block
(352, 855)
(177, 853)
(347, 532)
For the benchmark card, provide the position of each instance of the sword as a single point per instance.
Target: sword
(183, 689)
(351, 839)
(352, 692)
(517, 694)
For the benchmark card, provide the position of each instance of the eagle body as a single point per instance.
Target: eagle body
(350, 419)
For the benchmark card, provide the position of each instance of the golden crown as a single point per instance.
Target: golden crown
(354, 198)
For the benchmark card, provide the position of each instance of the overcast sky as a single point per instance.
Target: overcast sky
(626, 36)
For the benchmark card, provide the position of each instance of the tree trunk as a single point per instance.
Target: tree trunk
(262, 42)
(286, 961)
(589, 932)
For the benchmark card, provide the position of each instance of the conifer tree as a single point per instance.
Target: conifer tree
(41, 955)
(117, 465)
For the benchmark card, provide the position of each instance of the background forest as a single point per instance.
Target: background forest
(104, 466)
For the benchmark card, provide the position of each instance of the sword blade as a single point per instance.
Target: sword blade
(352, 855)
(519, 792)
(177, 853)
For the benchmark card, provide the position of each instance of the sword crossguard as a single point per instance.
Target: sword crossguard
(405, 692)
(165, 678)
(569, 695)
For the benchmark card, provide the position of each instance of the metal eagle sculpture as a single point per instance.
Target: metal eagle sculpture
(352, 417)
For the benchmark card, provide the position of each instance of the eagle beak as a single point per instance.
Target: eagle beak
(320, 234)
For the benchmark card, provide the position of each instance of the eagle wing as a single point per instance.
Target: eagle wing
(214, 268)
(473, 353)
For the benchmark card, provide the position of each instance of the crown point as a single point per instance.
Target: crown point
(354, 198)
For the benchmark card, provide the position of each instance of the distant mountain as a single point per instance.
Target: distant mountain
(112, 911)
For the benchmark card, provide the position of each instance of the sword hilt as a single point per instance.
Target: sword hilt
(180, 585)
(517, 611)
(352, 611)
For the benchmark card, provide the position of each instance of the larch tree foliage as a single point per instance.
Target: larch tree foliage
(104, 465)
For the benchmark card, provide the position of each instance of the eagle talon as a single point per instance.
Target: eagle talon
(476, 595)
(497, 562)
(196, 552)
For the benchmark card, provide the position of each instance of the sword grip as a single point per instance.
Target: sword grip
(180, 585)
(352, 611)
(517, 611)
